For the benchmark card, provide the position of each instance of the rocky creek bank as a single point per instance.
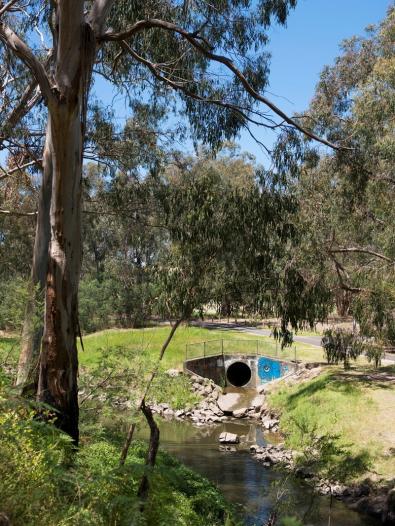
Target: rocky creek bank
(217, 406)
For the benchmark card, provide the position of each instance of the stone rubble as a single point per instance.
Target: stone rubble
(204, 413)
(273, 454)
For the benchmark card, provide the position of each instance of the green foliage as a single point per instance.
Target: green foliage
(121, 373)
(290, 521)
(374, 353)
(341, 346)
(43, 483)
(345, 197)
(95, 306)
(14, 294)
(32, 455)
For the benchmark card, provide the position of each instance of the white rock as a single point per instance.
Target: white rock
(258, 402)
(229, 402)
(228, 438)
(173, 372)
(240, 413)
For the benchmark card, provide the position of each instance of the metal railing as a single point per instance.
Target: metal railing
(222, 347)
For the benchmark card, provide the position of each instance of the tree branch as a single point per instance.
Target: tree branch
(25, 54)
(17, 214)
(178, 86)
(19, 168)
(360, 250)
(7, 6)
(142, 25)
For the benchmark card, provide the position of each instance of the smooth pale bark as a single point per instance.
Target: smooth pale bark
(27, 376)
(58, 361)
(58, 368)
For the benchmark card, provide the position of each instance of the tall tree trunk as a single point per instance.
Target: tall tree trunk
(58, 360)
(27, 376)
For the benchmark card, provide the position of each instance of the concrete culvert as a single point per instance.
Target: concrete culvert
(238, 374)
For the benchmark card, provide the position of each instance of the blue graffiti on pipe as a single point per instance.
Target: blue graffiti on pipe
(269, 369)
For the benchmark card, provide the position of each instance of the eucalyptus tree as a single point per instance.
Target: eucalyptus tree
(148, 48)
(232, 239)
(346, 198)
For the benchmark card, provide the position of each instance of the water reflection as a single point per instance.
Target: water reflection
(243, 480)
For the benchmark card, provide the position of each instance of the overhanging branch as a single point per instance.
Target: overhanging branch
(26, 55)
(204, 49)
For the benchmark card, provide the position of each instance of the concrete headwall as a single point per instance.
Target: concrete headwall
(263, 369)
(211, 367)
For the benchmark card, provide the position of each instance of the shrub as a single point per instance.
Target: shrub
(341, 346)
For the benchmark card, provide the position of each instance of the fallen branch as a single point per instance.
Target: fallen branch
(151, 453)
(140, 405)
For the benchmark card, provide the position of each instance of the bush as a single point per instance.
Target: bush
(341, 346)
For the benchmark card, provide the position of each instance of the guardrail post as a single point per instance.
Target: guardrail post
(276, 348)
(257, 351)
(186, 351)
(222, 348)
(204, 349)
(295, 352)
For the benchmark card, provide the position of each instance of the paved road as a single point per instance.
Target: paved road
(310, 340)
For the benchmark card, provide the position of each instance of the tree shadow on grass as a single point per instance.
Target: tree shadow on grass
(351, 382)
(374, 379)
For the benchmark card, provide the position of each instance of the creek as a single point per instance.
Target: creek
(243, 480)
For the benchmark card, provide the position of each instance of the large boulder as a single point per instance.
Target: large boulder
(228, 438)
(240, 413)
(229, 402)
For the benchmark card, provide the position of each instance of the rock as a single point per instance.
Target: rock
(229, 402)
(168, 413)
(196, 386)
(304, 473)
(258, 402)
(227, 448)
(372, 505)
(208, 389)
(215, 410)
(240, 413)
(269, 423)
(180, 413)
(389, 511)
(173, 372)
(228, 438)
(262, 389)
(215, 394)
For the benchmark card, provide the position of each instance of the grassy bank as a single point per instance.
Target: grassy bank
(119, 360)
(357, 407)
(149, 341)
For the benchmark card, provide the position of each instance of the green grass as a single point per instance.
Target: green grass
(149, 342)
(9, 347)
(357, 405)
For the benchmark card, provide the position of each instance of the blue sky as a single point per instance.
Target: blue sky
(300, 50)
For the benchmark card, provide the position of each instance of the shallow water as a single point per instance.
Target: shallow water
(244, 481)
